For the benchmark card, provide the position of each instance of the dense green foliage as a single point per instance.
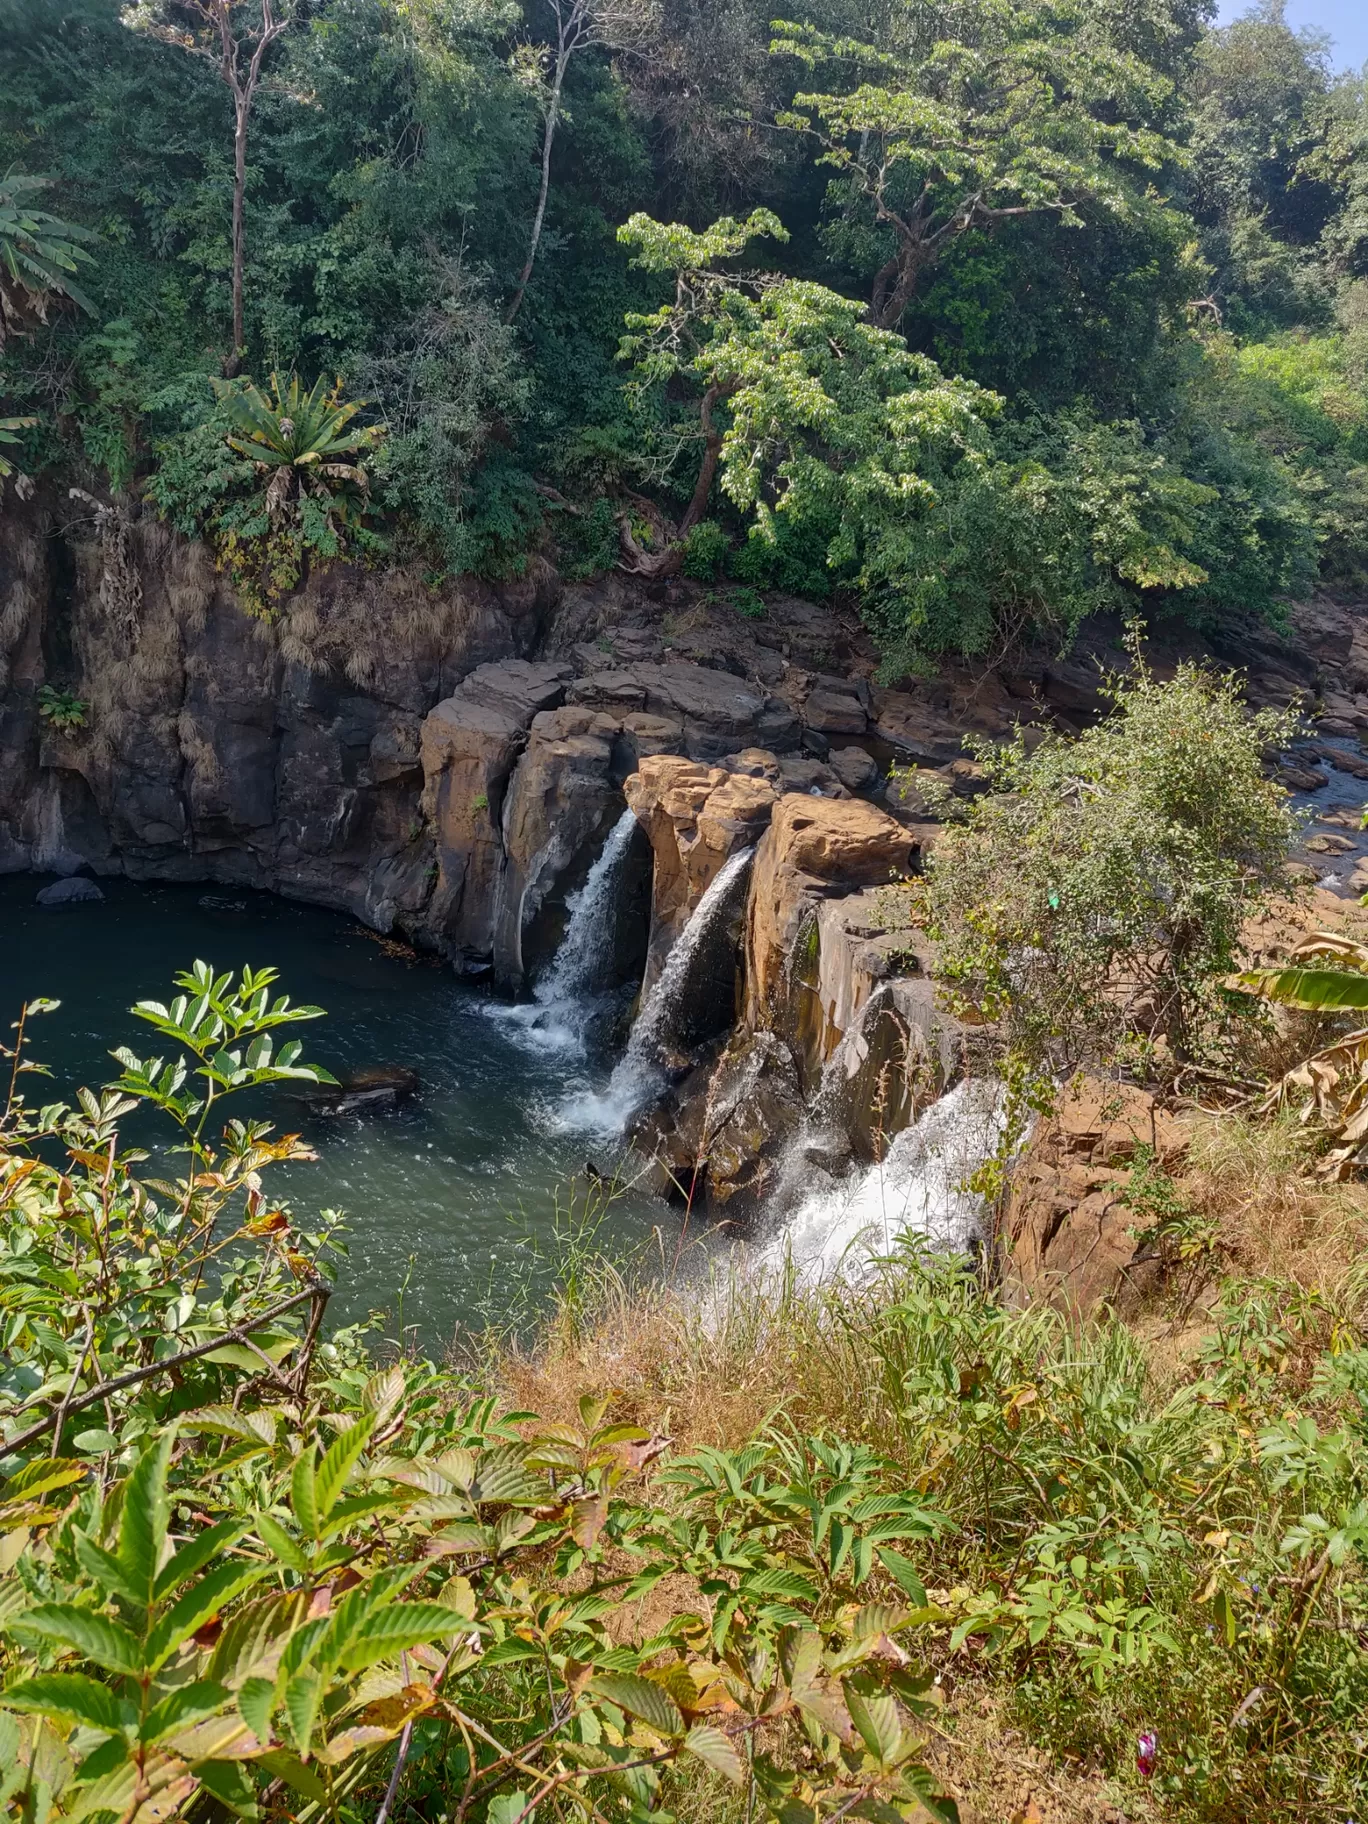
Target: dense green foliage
(1092, 901)
(1135, 243)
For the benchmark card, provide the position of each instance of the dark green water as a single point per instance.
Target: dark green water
(456, 1192)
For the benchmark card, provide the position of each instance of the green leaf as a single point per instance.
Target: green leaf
(642, 1697)
(232, 1785)
(1313, 990)
(338, 1463)
(256, 1701)
(876, 1718)
(302, 1696)
(904, 1574)
(715, 1750)
(94, 1637)
(198, 1604)
(71, 1697)
(194, 1556)
(41, 1476)
(104, 1567)
(288, 1767)
(180, 1708)
(302, 1493)
(277, 1541)
(396, 1626)
(142, 1524)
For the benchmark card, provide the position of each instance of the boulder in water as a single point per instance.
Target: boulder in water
(363, 1092)
(74, 892)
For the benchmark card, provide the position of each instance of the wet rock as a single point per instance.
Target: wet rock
(720, 1138)
(811, 776)
(561, 801)
(1301, 778)
(857, 771)
(370, 1091)
(1344, 761)
(74, 892)
(471, 741)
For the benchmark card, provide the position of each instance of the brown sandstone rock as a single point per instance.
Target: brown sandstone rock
(719, 713)
(560, 803)
(815, 849)
(695, 816)
(1068, 1232)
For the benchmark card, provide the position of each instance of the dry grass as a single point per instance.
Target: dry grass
(1251, 1178)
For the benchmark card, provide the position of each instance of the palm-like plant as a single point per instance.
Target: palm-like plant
(9, 433)
(306, 442)
(40, 255)
(1324, 974)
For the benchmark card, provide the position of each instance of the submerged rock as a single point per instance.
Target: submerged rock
(75, 892)
(369, 1091)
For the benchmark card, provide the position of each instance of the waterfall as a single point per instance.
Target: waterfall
(916, 1189)
(640, 1073)
(565, 999)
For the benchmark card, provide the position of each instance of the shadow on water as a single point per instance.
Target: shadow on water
(453, 1197)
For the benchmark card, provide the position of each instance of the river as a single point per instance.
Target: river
(452, 1203)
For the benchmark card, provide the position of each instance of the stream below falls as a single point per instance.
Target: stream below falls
(457, 1204)
(468, 1181)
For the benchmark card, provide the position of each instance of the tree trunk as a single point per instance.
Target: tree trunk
(548, 138)
(244, 103)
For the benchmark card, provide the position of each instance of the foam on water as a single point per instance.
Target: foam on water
(564, 1001)
(916, 1189)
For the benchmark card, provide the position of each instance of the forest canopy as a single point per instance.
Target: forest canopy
(984, 316)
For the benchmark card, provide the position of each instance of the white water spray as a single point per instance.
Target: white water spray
(918, 1188)
(639, 1073)
(565, 999)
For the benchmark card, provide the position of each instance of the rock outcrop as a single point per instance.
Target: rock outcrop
(815, 849)
(695, 816)
(1070, 1238)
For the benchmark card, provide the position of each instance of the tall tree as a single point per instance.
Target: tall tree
(235, 36)
(580, 25)
(968, 118)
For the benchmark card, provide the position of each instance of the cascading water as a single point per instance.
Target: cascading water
(567, 997)
(916, 1189)
(639, 1073)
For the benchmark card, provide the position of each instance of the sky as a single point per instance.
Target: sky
(1346, 22)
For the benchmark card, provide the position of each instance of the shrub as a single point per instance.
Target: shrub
(274, 481)
(705, 551)
(1092, 902)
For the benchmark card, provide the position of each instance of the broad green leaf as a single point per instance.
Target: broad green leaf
(1313, 990)
(142, 1524)
(338, 1462)
(105, 1568)
(94, 1637)
(72, 1698)
(715, 1750)
(197, 1605)
(288, 1767)
(396, 1626)
(302, 1495)
(232, 1786)
(643, 1698)
(180, 1708)
(277, 1541)
(302, 1697)
(876, 1717)
(194, 1556)
(41, 1477)
(256, 1701)
(904, 1573)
